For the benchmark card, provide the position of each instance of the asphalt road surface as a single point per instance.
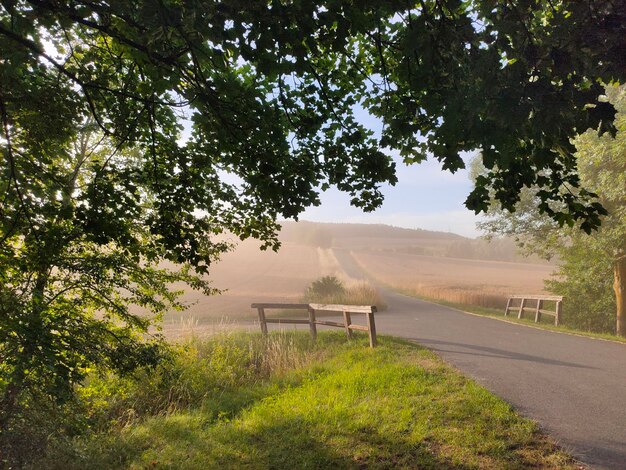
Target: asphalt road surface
(574, 386)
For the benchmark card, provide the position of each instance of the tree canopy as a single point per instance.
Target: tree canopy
(592, 268)
(101, 182)
(271, 89)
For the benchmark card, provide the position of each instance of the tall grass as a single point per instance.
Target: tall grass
(201, 372)
(459, 296)
(286, 402)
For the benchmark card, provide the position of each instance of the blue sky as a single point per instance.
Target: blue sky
(425, 197)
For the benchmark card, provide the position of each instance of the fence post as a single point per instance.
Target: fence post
(538, 311)
(312, 325)
(520, 314)
(508, 305)
(262, 320)
(371, 325)
(347, 319)
(557, 316)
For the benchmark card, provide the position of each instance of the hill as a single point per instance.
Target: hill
(390, 239)
(292, 231)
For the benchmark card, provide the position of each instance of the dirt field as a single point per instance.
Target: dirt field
(478, 282)
(251, 275)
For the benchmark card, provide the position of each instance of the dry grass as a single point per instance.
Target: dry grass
(364, 293)
(460, 296)
(358, 293)
(182, 327)
(463, 281)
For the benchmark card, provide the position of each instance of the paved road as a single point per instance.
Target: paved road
(575, 387)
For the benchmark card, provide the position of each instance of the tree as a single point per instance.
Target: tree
(585, 278)
(602, 166)
(98, 190)
(98, 187)
(515, 80)
(590, 264)
(71, 268)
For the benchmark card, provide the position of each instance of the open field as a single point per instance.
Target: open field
(463, 281)
(249, 275)
(404, 245)
(390, 255)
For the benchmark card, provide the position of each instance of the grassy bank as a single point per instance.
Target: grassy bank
(485, 305)
(240, 401)
(546, 323)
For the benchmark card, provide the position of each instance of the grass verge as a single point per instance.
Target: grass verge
(546, 323)
(242, 401)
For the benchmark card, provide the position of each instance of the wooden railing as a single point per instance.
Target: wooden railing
(346, 310)
(538, 308)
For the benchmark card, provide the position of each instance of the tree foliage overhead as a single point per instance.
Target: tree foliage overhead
(266, 105)
(101, 181)
(271, 87)
(515, 80)
(592, 267)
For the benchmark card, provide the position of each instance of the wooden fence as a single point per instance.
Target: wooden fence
(312, 321)
(538, 308)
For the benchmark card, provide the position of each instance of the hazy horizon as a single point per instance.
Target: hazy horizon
(425, 197)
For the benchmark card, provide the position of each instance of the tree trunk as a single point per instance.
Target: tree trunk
(619, 286)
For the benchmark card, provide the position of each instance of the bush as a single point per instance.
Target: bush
(40, 423)
(585, 279)
(220, 375)
(325, 287)
(198, 374)
(330, 290)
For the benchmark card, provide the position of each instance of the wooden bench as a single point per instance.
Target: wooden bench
(346, 310)
(538, 308)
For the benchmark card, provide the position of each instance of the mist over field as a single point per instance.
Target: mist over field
(430, 264)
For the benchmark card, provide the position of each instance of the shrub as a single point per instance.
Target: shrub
(197, 373)
(324, 288)
(330, 290)
(585, 279)
(220, 375)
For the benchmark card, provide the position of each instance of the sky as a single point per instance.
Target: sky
(425, 197)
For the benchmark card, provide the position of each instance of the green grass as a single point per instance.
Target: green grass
(546, 322)
(285, 402)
